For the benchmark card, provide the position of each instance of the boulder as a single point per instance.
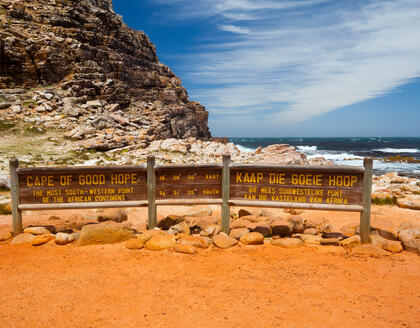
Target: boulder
(113, 214)
(37, 231)
(321, 225)
(281, 228)
(251, 218)
(238, 233)
(160, 242)
(351, 242)
(185, 249)
(222, 240)
(201, 222)
(287, 242)
(210, 231)
(181, 227)
(377, 240)
(169, 221)
(370, 250)
(311, 240)
(310, 231)
(22, 238)
(349, 229)
(108, 232)
(240, 223)
(330, 242)
(202, 212)
(252, 238)
(297, 224)
(134, 243)
(146, 235)
(5, 235)
(337, 235)
(262, 227)
(196, 241)
(242, 212)
(42, 239)
(393, 246)
(62, 238)
(385, 229)
(75, 236)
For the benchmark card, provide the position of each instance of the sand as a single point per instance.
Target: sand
(253, 286)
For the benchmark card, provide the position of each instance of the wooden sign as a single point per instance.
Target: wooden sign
(81, 185)
(189, 182)
(311, 185)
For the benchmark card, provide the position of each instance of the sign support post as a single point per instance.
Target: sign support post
(226, 194)
(151, 192)
(366, 201)
(14, 184)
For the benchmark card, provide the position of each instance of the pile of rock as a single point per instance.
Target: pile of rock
(392, 188)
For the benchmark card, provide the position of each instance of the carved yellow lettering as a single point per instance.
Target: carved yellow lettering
(29, 181)
(238, 177)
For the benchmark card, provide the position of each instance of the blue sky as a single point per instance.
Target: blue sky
(292, 67)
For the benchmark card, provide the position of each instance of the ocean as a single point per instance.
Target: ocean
(349, 151)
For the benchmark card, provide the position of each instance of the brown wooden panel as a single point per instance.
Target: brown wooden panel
(80, 185)
(320, 186)
(188, 182)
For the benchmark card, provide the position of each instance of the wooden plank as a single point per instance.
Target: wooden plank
(189, 202)
(14, 183)
(367, 196)
(302, 168)
(188, 166)
(81, 168)
(288, 185)
(35, 207)
(226, 195)
(326, 207)
(38, 186)
(151, 192)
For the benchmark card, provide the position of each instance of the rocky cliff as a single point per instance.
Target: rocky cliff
(74, 64)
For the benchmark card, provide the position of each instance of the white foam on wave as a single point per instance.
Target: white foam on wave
(245, 149)
(396, 150)
(307, 148)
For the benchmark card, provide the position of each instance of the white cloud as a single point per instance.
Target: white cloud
(301, 59)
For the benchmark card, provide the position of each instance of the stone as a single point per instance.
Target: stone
(222, 240)
(134, 243)
(160, 242)
(393, 246)
(377, 240)
(330, 241)
(321, 225)
(62, 238)
(205, 211)
(349, 229)
(242, 212)
(75, 236)
(385, 228)
(169, 221)
(252, 238)
(332, 234)
(4, 182)
(37, 230)
(146, 235)
(240, 223)
(108, 232)
(262, 227)
(282, 228)
(210, 231)
(201, 222)
(113, 214)
(22, 238)
(311, 240)
(287, 242)
(370, 250)
(251, 218)
(351, 242)
(181, 227)
(238, 233)
(5, 235)
(196, 241)
(297, 224)
(310, 231)
(185, 249)
(42, 239)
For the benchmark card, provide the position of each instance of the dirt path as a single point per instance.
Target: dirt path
(260, 286)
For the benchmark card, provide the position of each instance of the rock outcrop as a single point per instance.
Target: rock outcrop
(74, 64)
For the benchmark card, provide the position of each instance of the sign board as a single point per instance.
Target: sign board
(189, 182)
(82, 185)
(310, 185)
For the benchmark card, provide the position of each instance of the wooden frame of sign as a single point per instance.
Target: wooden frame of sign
(335, 188)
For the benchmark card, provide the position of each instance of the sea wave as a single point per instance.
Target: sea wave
(397, 150)
(245, 149)
(307, 148)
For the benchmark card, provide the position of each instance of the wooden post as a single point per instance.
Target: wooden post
(366, 199)
(226, 194)
(151, 192)
(14, 184)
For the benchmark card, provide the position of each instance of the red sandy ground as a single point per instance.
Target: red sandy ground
(254, 286)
